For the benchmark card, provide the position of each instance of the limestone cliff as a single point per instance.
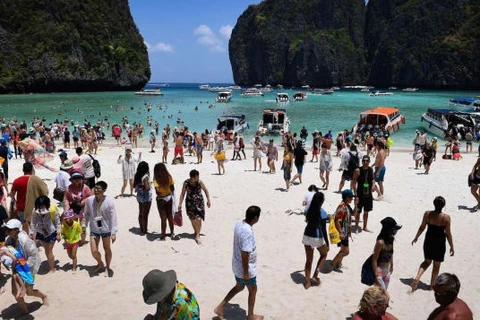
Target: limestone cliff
(70, 45)
(426, 43)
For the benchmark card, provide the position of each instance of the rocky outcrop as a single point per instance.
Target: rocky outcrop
(431, 43)
(70, 45)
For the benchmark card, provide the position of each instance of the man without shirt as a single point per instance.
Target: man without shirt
(178, 147)
(199, 146)
(446, 290)
(379, 166)
(244, 262)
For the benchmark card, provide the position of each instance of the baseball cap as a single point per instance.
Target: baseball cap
(347, 193)
(12, 224)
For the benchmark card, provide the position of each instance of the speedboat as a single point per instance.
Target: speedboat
(266, 89)
(282, 97)
(410, 89)
(465, 104)
(235, 88)
(300, 96)
(218, 89)
(322, 91)
(236, 123)
(149, 92)
(380, 93)
(274, 121)
(381, 119)
(204, 86)
(224, 96)
(439, 121)
(252, 92)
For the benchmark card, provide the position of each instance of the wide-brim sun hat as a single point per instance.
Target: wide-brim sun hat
(157, 285)
(67, 165)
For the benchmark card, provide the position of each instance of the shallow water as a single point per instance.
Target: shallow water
(334, 112)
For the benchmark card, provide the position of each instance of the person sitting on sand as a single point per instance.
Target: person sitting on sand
(373, 305)
(434, 244)
(29, 257)
(446, 289)
(173, 299)
(314, 237)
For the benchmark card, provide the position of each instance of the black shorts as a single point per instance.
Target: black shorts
(90, 182)
(343, 242)
(365, 203)
(75, 139)
(347, 175)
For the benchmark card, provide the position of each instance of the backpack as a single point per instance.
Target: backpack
(96, 166)
(352, 162)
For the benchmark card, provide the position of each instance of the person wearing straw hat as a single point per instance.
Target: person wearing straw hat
(71, 233)
(173, 299)
(62, 180)
(128, 168)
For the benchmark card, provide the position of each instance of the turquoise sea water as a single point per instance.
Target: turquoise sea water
(319, 112)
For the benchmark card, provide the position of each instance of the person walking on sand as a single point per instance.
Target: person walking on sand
(46, 227)
(141, 182)
(28, 252)
(314, 236)
(178, 150)
(287, 166)
(71, 231)
(219, 155)
(101, 216)
(325, 166)
(194, 203)
(272, 156)
(300, 156)
(257, 153)
(164, 188)
(446, 289)
(434, 245)
(428, 154)
(382, 261)
(199, 147)
(343, 217)
(379, 166)
(363, 182)
(244, 263)
(128, 168)
(152, 141)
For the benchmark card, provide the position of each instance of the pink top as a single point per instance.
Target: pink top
(71, 195)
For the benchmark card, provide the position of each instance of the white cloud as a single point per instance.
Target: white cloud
(226, 31)
(160, 47)
(207, 38)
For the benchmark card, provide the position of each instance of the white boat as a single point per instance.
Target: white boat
(300, 96)
(266, 89)
(306, 87)
(236, 123)
(439, 121)
(392, 88)
(252, 92)
(204, 86)
(149, 92)
(235, 88)
(365, 90)
(224, 96)
(282, 97)
(218, 89)
(380, 93)
(410, 89)
(381, 119)
(274, 121)
(322, 91)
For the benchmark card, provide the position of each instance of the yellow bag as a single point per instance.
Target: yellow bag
(333, 232)
(220, 156)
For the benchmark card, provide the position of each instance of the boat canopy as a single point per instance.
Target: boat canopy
(274, 115)
(378, 116)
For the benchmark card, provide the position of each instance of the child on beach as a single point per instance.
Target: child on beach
(71, 232)
(417, 157)
(8, 259)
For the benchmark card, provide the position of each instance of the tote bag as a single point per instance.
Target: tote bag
(333, 232)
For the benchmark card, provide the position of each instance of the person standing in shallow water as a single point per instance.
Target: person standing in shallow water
(434, 245)
(194, 202)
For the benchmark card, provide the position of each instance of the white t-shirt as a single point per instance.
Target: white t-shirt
(308, 199)
(62, 180)
(87, 166)
(244, 240)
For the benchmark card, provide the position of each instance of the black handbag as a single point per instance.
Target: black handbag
(367, 276)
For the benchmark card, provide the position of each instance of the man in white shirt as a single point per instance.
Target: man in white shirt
(101, 216)
(244, 262)
(87, 167)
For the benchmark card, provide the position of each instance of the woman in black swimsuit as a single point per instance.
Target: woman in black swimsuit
(434, 245)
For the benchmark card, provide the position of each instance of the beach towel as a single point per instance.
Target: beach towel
(22, 267)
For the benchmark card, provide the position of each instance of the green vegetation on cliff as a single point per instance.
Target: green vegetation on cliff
(70, 45)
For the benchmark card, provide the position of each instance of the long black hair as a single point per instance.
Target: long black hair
(142, 169)
(313, 213)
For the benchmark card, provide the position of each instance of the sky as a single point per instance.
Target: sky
(187, 40)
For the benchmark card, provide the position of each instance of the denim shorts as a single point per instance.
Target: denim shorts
(100, 235)
(251, 282)
(49, 239)
(144, 196)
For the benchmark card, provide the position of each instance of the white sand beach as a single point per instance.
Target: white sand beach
(207, 269)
